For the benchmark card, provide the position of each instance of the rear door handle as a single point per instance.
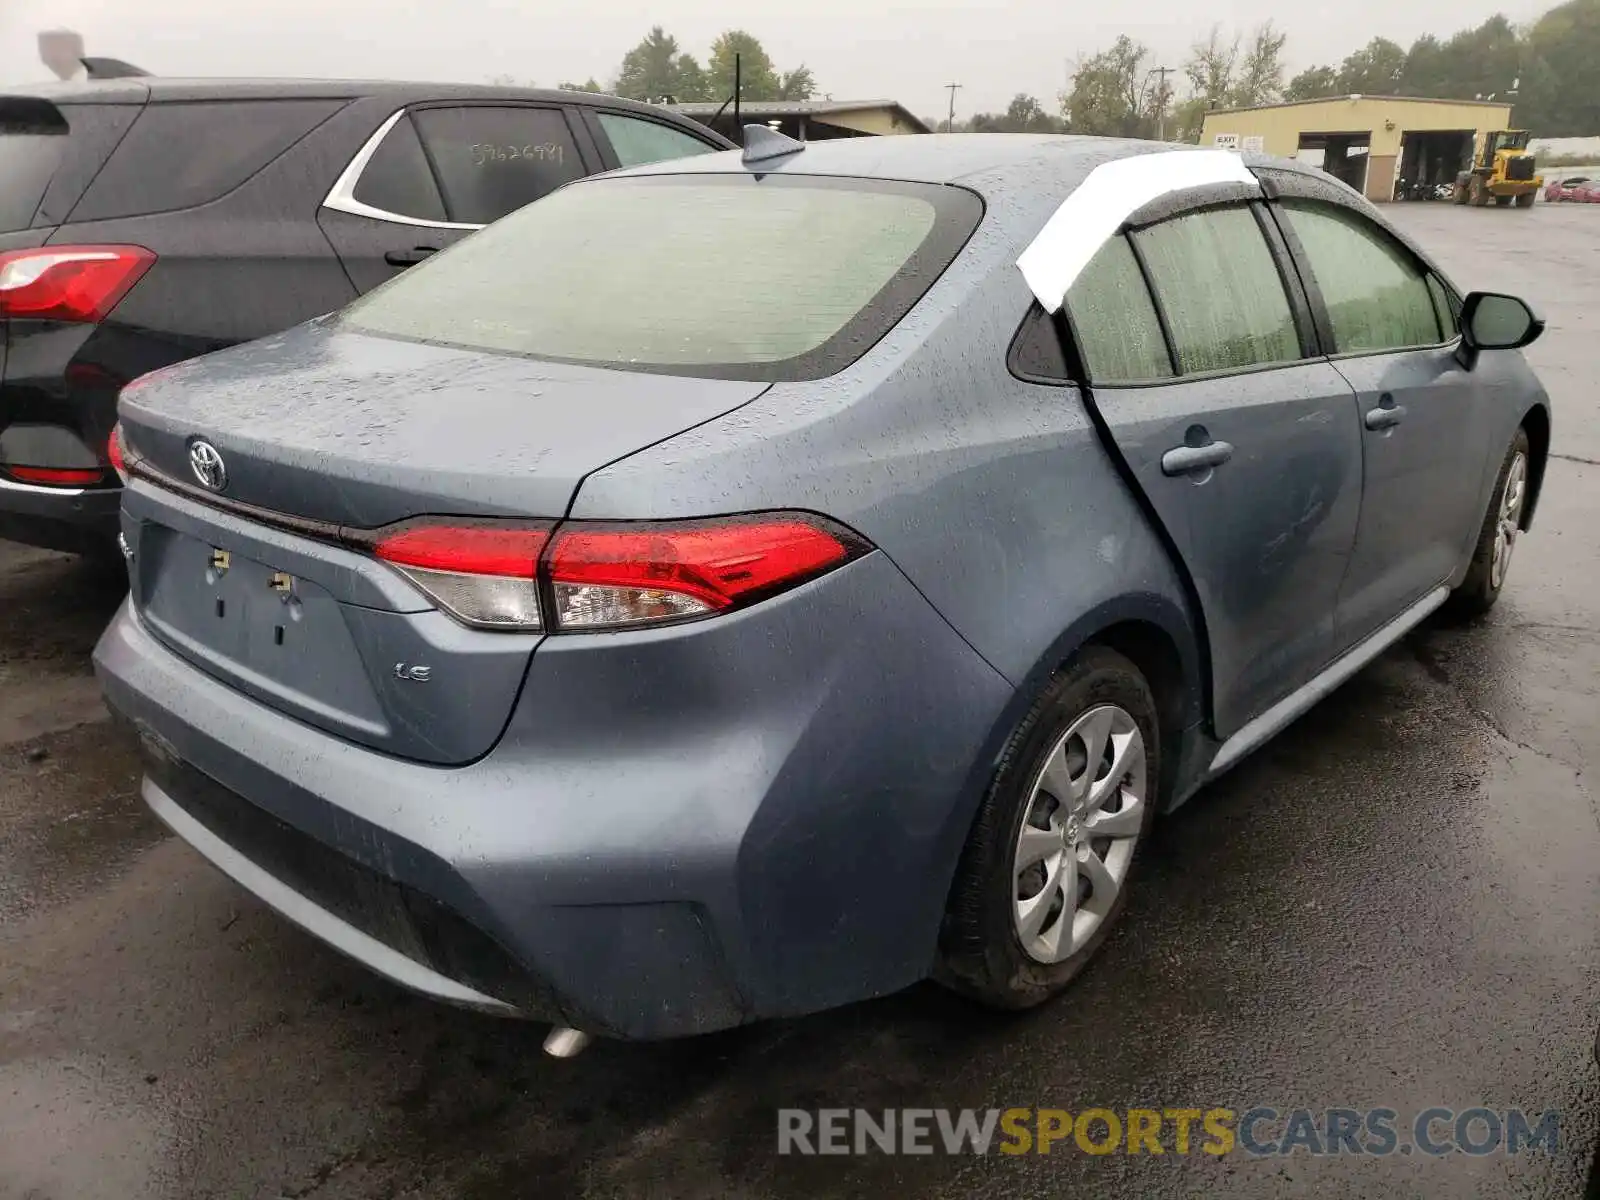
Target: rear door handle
(1387, 415)
(409, 258)
(1191, 460)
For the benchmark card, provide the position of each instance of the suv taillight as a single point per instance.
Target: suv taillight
(69, 283)
(63, 477)
(613, 576)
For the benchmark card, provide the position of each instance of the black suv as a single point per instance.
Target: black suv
(145, 221)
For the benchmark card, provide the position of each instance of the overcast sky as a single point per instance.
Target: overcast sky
(859, 49)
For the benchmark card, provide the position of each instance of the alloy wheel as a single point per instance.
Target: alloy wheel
(1510, 520)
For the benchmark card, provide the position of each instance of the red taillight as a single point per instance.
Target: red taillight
(484, 574)
(56, 476)
(114, 455)
(605, 577)
(610, 576)
(69, 283)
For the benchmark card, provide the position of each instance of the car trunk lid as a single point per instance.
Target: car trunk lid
(324, 435)
(355, 430)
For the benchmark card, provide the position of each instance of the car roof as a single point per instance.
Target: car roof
(158, 89)
(1024, 177)
(986, 162)
(928, 158)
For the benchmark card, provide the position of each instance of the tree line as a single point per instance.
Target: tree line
(659, 69)
(1546, 70)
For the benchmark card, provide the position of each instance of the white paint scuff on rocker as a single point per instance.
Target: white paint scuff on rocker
(1098, 206)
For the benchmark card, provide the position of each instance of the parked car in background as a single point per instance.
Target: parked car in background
(1579, 189)
(798, 593)
(145, 221)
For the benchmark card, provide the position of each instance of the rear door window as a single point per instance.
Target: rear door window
(180, 155)
(1114, 319)
(1376, 294)
(1220, 290)
(636, 141)
(492, 160)
(398, 179)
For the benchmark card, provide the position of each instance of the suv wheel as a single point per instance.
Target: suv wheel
(1046, 868)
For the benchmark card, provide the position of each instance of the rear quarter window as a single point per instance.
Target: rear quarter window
(181, 155)
(398, 178)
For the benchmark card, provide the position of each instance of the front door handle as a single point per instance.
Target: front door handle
(1192, 460)
(1387, 415)
(409, 258)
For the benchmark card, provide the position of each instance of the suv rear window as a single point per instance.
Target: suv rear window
(727, 276)
(33, 138)
(179, 155)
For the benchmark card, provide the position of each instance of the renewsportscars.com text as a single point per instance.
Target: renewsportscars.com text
(1259, 1131)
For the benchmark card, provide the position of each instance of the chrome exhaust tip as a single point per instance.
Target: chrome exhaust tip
(563, 1042)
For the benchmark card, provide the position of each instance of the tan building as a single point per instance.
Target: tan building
(810, 120)
(1371, 142)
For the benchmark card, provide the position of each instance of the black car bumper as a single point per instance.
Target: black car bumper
(77, 520)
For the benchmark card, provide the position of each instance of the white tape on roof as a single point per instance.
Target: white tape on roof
(1098, 206)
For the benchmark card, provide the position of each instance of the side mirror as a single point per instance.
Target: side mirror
(1491, 321)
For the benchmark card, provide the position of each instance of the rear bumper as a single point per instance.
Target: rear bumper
(80, 521)
(681, 830)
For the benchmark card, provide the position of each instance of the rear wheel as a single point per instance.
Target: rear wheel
(1046, 868)
(1526, 200)
(1502, 201)
(1497, 539)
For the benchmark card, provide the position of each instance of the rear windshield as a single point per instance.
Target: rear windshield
(731, 276)
(33, 136)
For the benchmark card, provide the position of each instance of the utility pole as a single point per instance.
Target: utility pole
(1161, 74)
(950, 124)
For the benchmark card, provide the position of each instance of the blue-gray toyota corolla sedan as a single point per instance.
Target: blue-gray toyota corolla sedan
(752, 583)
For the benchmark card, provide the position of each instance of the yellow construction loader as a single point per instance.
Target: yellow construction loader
(1502, 170)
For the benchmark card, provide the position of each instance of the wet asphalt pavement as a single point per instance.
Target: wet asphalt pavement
(1395, 904)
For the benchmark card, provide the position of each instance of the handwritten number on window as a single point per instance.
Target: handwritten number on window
(484, 153)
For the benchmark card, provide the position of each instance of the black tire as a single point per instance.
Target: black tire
(1526, 199)
(1502, 201)
(981, 954)
(1478, 592)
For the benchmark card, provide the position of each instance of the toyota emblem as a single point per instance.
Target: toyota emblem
(206, 463)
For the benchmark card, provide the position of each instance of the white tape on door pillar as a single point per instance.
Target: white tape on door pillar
(1112, 193)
